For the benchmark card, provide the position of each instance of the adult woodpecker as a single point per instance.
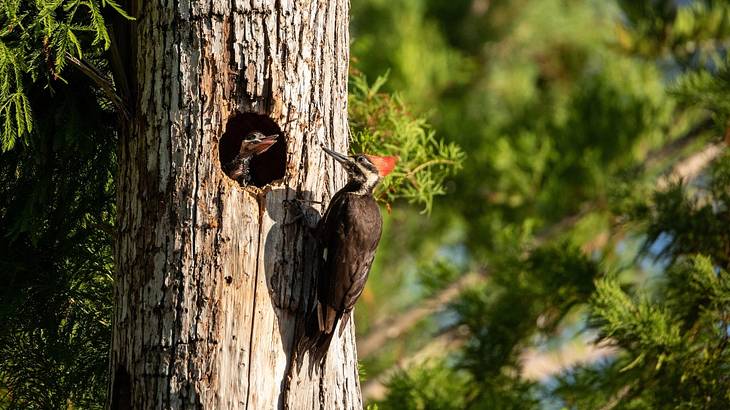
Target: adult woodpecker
(254, 143)
(347, 237)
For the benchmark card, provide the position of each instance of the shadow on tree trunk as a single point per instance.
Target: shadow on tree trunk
(291, 280)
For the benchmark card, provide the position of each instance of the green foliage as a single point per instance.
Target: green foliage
(14, 105)
(429, 387)
(672, 331)
(640, 321)
(436, 275)
(56, 228)
(678, 224)
(560, 148)
(500, 323)
(692, 34)
(550, 112)
(708, 89)
(381, 124)
(553, 278)
(558, 105)
(674, 345)
(36, 40)
(391, 35)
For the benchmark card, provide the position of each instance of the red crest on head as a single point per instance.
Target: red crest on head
(384, 165)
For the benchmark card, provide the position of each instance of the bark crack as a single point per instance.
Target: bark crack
(198, 277)
(261, 201)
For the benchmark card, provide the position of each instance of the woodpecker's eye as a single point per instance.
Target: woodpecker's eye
(361, 159)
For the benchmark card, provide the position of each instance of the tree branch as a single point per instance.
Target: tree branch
(428, 164)
(103, 83)
(393, 329)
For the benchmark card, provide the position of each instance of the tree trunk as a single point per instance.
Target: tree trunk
(211, 279)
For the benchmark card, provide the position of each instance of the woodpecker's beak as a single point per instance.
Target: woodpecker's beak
(260, 145)
(342, 159)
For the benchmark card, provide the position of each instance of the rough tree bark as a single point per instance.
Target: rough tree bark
(211, 278)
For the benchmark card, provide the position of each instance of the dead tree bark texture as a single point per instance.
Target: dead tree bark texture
(211, 279)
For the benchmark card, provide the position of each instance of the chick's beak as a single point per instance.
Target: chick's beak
(263, 144)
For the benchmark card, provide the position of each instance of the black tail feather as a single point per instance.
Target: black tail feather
(315, 341)
(318, 352)
(345, 318)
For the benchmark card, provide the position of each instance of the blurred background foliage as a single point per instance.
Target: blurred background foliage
(599, 284)
(536, 253)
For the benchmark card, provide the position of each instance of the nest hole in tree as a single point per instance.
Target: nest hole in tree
(264, 168)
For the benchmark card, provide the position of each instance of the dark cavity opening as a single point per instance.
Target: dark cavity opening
(263, 168)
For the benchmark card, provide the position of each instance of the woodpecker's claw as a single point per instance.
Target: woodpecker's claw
(296, 206)
(300, 212)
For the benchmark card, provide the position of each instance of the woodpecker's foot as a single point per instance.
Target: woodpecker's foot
(299, 212)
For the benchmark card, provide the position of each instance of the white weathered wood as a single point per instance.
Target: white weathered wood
(210, 278)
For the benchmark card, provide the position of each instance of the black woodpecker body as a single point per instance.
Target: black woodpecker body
(347, 237)
(254, 143)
